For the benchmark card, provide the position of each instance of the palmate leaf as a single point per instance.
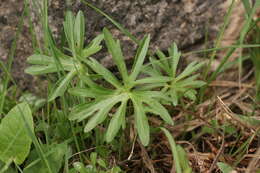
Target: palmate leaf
(96, 109)
(132, 89)
(55, 61)
(15, 142)
(178, 85)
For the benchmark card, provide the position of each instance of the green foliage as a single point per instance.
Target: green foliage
(145, 88)
(179, 155)
(15, 142)
(121, 93)
(97, 165)
(54, 155)
(57, 61)
(180, 85)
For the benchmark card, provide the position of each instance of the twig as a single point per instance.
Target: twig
(218, 154)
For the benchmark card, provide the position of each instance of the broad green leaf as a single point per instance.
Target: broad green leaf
(62, 86)
(15, 142)
(141, 122)
(54, 154)
(79, 30)
(116, 122)
(116, 52)
(139, 58)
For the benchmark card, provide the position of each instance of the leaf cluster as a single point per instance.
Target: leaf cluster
(142, 90)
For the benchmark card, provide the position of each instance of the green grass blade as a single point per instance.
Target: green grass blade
(220, 36)
(174, 150)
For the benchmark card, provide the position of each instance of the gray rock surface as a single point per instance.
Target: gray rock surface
(182, 21)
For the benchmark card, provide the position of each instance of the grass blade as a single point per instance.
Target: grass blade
(174, 150)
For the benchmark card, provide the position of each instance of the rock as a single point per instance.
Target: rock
(182, 21)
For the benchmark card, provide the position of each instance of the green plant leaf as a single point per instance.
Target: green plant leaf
(116, 122)
(87, 92)
(141, 122)
(93, 47)
(156, 108)
(62, 86)
(93, 158)
(103, 109)
(192, 67)
(184, 160)
(105, 73)
(40, 59)
(54, 155)
(39, 69)
(175, 154)
(139, 58)
(175, 57)
(117, 55)
(163, 63)
(68, 25)
(157, 79)
(79, 30)
(15, 142)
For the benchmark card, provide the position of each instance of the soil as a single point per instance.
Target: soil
(185, 22)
